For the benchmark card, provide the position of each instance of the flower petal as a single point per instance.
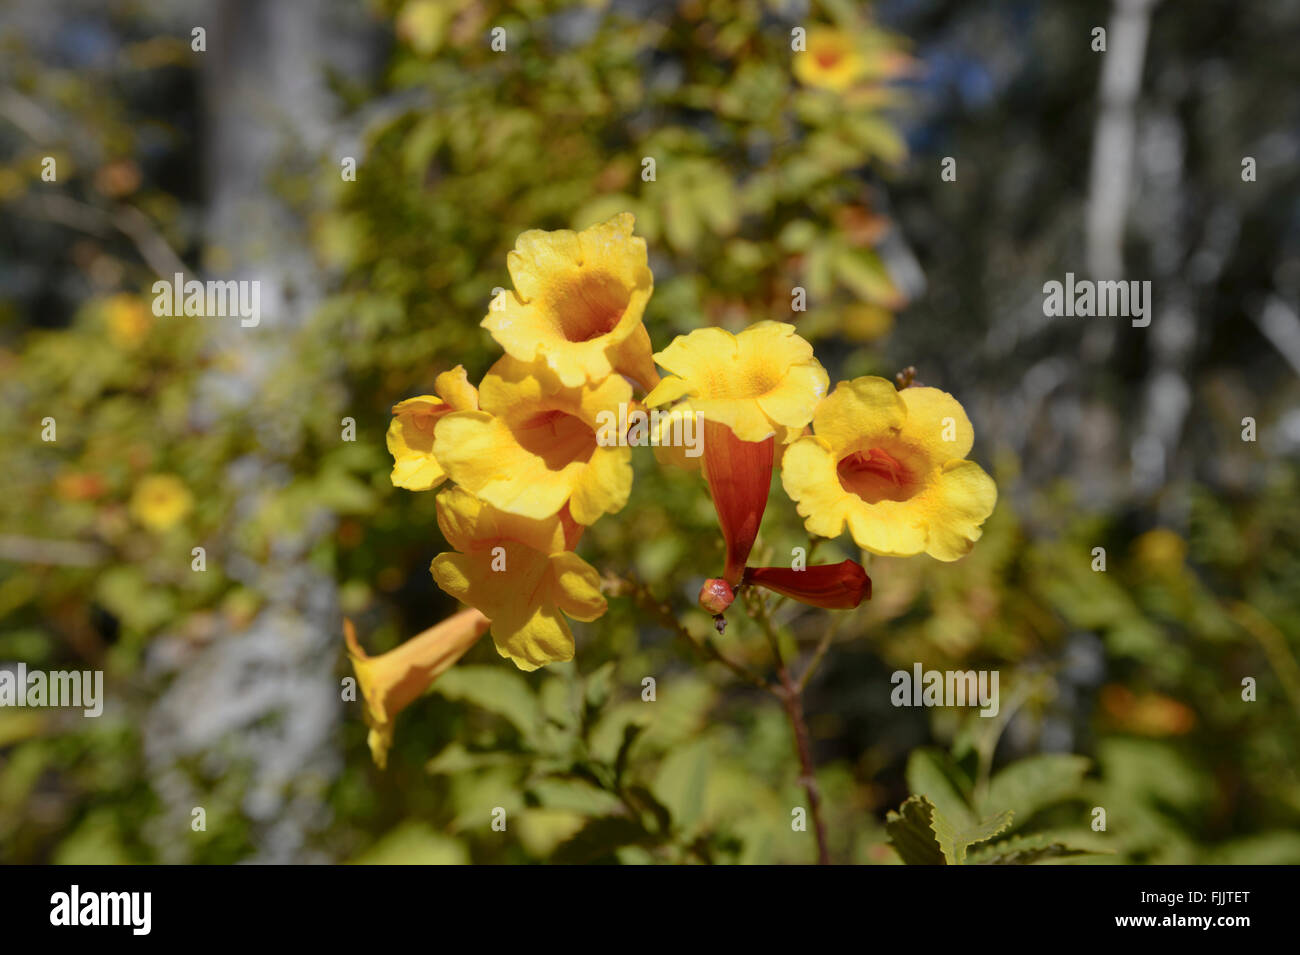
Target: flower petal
(839, 586)
(602, 486)
(810, 479)
(739, 474)
(576, 587)
(963, 499)
(471, 524)
(454, 388)
(857, 410)
(937, 424)
(535, 639)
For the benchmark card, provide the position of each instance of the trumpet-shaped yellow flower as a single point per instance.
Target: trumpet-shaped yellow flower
(762, 382)
(160, 501)
(392, 680)
(521, 573)
(577, 303)
(410, 434)
(534, 445)
(831, 60)
(890, 464)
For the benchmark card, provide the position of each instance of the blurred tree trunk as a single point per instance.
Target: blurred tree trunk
(264, 699)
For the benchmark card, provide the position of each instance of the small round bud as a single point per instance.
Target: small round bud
(716, 596)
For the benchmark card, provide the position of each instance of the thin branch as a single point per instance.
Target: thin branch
(127, 220)
(663, 613)
(791, 696)
(34, 550)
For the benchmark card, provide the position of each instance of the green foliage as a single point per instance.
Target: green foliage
(943, 823)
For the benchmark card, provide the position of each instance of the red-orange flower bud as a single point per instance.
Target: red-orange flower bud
(839, 586)
(716, 596)
(739, 475)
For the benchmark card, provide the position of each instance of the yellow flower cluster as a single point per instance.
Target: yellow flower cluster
(530, 467)
(888, 463)
(522, 448)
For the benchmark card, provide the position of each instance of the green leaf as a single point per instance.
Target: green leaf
(911, 832)
(598, 685)
(414, 843)
(954, 840)
(933, 774)
(630, 733)
(878, 138)
(1031, 784)
(1026, 850)
(865, 275)
(599, 838)
(493, 688)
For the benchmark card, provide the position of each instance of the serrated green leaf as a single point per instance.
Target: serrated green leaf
(911, 833)
(955, 841)
(933, 774)
(1026, 850)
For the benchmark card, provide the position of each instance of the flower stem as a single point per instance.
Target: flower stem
(790, 693)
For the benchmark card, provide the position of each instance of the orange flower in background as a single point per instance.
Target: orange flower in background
(889, 464)
(410, 434)
(392, 681)
(1147, 714)
(80, 487)
(521, 572)
(534, 447)
(577, 303)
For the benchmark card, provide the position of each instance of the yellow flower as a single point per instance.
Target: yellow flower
(160, 501)
(831, 60)
(128, 320)
(392, 680)
(410, 434)
(762, 382)
(889, 463)
(577, 303)
(521, 573)
(1160, 550)
(534, 445)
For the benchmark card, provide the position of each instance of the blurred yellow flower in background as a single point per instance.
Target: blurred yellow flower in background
(160, 501)
(534, 447)
(410, 434)
(128, 319)
(1161, 550)
(830, 61)
(867, 323)
(392, 680)
(521, 573)
(762, 382)
(577, 303)
(890, 464)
